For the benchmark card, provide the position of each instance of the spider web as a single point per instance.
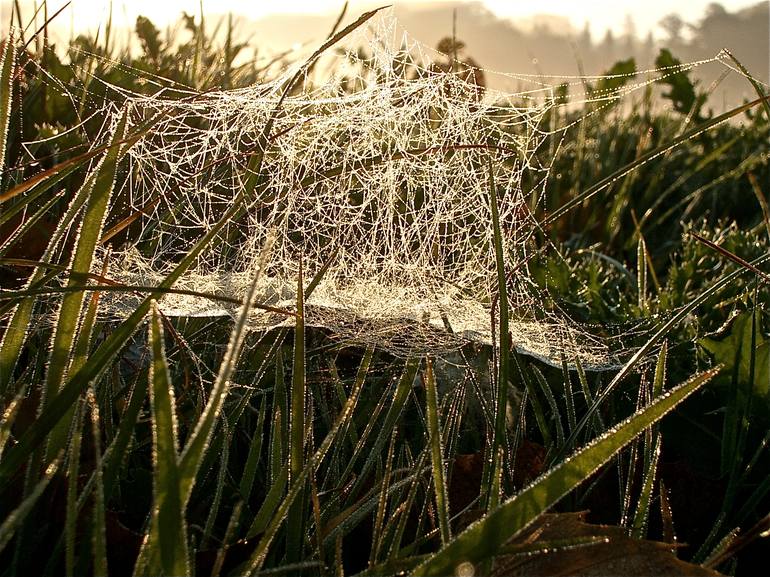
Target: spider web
(378, 167)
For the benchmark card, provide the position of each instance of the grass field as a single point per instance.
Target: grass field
(164, 445)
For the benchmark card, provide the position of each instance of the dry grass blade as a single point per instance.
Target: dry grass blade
(731, 256)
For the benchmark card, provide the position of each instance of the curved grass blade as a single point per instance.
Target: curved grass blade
(98, 527)
(73, 468)
(98, 188)
(271, 502)
(403, 388)
(483, 539)
(28, 225)
(255, 452)
(382, 504)
(546, 388)
(757, 86)
(537, 408)
(408, 503)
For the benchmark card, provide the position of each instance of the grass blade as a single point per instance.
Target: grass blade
(639, 525)
(537, 408)
(546, 388)
(255, 451)
(436, 453)
(400, 398)
(492, 487)
(167, 553)
(98, 528)
(73, 467)
(7, 68)
(297, 427)
(9, 416)
(483, 539)
(260, 553)
(757, 86)
(98, 188)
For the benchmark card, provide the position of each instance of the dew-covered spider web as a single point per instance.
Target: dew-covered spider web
(377, 171)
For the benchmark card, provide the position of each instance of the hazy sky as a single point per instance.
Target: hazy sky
(601, 14)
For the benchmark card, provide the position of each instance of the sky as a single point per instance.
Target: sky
(600, 14)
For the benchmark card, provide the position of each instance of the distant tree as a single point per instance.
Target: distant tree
(629, 34)
(607, 47)
(673, 25)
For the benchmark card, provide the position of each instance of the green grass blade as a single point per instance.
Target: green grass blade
(659, 381)
(403, 388)
(757, 86)
(196, 446)
(382, 504)
(569, 399)
(641, 274)
(7, 68)
(294, 527)
(167, 542)
(115, 453)
(252, 459)
(73, 468)
(217, 500)
(492, 487)
(642, 514)
(229, 534)
(98, 527)
(483, 539)
(408, 504)
(587, 395)
(436, 453)
(28, 224)
(270, 504)
(9, 416)
(556, 415)
(98, 188)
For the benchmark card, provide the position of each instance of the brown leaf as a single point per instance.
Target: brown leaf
(564, 544)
